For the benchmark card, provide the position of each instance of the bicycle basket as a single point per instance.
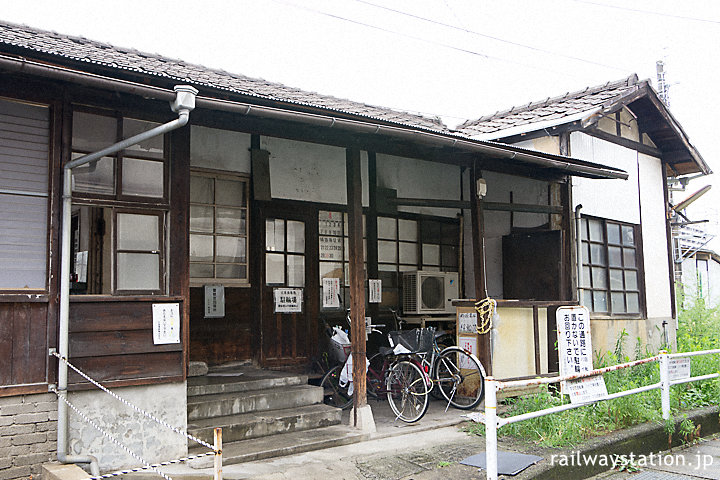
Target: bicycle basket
(339, 351)
(417, 340)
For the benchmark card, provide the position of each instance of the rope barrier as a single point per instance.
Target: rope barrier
(485, 309)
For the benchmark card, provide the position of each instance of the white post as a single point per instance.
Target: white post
(664, 385)
(217, 470)
(491, 428)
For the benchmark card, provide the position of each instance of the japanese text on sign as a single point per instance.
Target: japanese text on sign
(467, 322)
(678, 368)
(166, 323)
(375, 289)
(331, 292)
(288, 300)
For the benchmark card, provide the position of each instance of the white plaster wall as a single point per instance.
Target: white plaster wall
(219, 149)
(549, 144)
(153, 442)
(310, 172)
(421, 179)
(612, 199)
(654, 233)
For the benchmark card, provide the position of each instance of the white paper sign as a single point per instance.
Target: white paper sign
(81, 264)
(678, 368)
(214, 301)
(331, 292)
(288, 300)
(587, 389)
(166, 323)
(375, 287)
(467, 322)
(331, 248)
(469, 344)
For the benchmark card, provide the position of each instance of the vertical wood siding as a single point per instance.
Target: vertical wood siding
(23, 344)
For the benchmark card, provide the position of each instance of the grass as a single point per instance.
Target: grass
(699, 329)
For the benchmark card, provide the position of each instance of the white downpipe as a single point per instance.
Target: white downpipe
(183, 104)
(491, 427)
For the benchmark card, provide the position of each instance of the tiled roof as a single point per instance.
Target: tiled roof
(79, 49)
(551, 108)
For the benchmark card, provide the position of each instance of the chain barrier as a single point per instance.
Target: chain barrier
(146, 465)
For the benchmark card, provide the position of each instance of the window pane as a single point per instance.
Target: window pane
(431, 231)
(430, 254)
(629, 257)
(631, 280)
(586, 277)
(585, 253)
(142, 178)
(387, 228)
(230, 192)
(613, 233)
(449, 256)
(387, 252)
(138, 271)
(201, 270)
(95, 177)
(138, 232)
(230, 221)
(201, 248)
(296, 271)
(274, 269)
(346, 254)
(597, 254)
(633, 303)
(628, 235)
(389, 279)
(201, 189)
(600, 302)
(231, 271)
(618, 302)
(599, 278)
(583, 229)
(588, 299)
(275, 235)
(93, 132)
(330, 270)
(230, 249)
(615, 256)
(450, 233)
(295, 236)
(616, 279)
(407, 230)
(596, 230)
(408, 253)
(201, 219)
(152, 147)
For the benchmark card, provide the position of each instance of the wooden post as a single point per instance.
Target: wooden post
(478, 237)
(357, 276)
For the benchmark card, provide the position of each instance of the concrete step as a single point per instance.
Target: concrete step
(280, 445)
(241, 380)
(260, 424)
(224, 404)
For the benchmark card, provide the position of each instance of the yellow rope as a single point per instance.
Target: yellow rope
(485, 309)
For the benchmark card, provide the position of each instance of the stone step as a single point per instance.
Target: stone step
(224, 404)
(242, 380)
(280, 445)
(260, 424)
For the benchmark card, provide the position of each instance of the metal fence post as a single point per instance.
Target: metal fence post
(491, 428)
(218, 455)
(664, 385)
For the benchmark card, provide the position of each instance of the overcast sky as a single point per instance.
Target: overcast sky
(457, 59)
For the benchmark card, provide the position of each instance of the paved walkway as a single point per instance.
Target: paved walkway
(699, 461)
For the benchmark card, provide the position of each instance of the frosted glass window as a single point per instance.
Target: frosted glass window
(631, 282)
(95, 177)
(230, 220)
(598, 278)
(201, 219)
(93, 132)
(138, 232)
(431, 254)
(275, 235)
(296, 271)
(230, 250)
(387, 252)
(615, 256)
(151, 147)
(613, 232)
(138, 271)
(387, 228)
(616, 279)
(600, 301)
(230, 193)
(202, 189)
(618, 302)
(407, 230)
(408, 253)
(231, 271)
(596, 231)
(201, 248)
(201, 270)
(274, 269)
(295, 237)
(143, 178)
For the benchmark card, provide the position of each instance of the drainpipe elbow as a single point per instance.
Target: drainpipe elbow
(93, 461)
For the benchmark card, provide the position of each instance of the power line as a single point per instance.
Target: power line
(498, 39)
(650, 12)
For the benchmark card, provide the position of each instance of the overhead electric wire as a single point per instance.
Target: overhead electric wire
(650, 12)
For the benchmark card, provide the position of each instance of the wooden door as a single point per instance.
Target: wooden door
(289, 288)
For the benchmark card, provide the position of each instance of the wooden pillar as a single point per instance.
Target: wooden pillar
(478, 242)
(357, 275)
(371, 231)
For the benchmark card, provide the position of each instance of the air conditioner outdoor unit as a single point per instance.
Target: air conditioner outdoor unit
(426, 292)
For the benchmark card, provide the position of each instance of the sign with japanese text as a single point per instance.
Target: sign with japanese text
(678, 368)
(467, 322)
(470, 345)
(330, 223)
(575, 352)
(331, 248)
(288, 300)
(375, 288)
(331, 292)
(166, 323)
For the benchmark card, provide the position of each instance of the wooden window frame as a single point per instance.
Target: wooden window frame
(161, 252)
(228, 282)
(637, 268)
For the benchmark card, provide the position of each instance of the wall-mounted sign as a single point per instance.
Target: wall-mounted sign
(166, 323)
(467, 322)
(470, 345)
(331, 248)
(678, 368)
(214, 301)
(375, 288)
(288, 300)
(330, 223)
(331, 293)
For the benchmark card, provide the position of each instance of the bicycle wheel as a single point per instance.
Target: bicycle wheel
(460, 378)
(333, 393)
(407, 392)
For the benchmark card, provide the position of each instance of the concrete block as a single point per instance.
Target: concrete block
(5, 460)
(46, 427)
(24, 418)
(6, 420)
(45, 406)
(29, 438)
(13, 430)
(15, 472)
(16, 409)
(197, 369)
(362, 419)
(31, 459)
(58, 471)
(5, 442)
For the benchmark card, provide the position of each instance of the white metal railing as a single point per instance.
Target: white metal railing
(493, 422)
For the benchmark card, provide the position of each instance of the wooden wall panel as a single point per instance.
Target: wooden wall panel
(222, 340)
(129, 369)
(23, 343)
